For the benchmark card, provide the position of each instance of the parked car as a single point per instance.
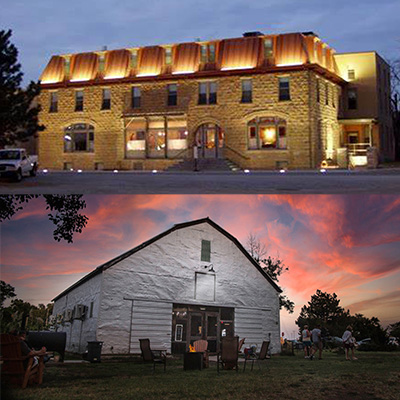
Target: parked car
(15, 163)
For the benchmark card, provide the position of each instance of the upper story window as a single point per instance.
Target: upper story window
(266, 133)
(172, 94)
(284, 89)
(53, 102)
(208, 93)
(168, 55)
(205, 250)
(136, 97)
(247, 91)
(351, 74)
(79, 138)
(134, 58)
(106, 101)
(207, 53)
(326, 93)
(318, 90)
(334, 94)
(268, 48)
(352, 99)
(79, 100)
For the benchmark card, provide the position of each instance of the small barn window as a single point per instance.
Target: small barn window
(91, 310)
(205, 250)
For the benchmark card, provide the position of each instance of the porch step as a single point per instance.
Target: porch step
(204, 164)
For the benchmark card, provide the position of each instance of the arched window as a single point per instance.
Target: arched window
(266, 133)
(79, 138)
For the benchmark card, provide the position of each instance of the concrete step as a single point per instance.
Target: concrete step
(204, 164)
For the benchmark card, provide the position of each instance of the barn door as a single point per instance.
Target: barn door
(196, 331)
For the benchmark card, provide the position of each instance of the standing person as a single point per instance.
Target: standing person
(317, 342)
(349, 342)
(306, 339)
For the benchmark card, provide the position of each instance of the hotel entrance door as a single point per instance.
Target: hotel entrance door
(210, 140)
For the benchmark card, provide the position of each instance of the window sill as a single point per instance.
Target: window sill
(79, 152)
(267, 150)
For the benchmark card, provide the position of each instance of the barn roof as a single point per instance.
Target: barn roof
(176, 227)
(254, 53)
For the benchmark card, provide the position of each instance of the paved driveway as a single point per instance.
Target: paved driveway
(373, 181)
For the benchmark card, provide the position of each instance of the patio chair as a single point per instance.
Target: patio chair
(201, 347)
(152, 356)
(241, 343)
(228, 356)
(262, 355)
(12, 366)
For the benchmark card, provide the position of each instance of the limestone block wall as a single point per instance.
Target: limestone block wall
(305, 144)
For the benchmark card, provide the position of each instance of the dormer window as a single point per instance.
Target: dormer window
(101, 63)
(351, 74)
(268, 49)
(207, 53)
(134, 57)
(168, 55)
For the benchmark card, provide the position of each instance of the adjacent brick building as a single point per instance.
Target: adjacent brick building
(261, 101)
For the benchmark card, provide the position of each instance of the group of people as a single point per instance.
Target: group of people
(312, 342)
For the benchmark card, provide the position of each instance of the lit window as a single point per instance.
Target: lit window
(352, 99)
(168, 56)
(79, 100)
(208, 93)
(53, 102)
(67, 66)
(106, 102)
(172, 94)
(284, 89)
(207, 53)
(177, 136)
(79, 138)
(268, 49)
(136, 97)
(247, 91)
(266, 133)
(136, 138)
(211, 50)
(334, 96)
(101, 63)
(351, 74)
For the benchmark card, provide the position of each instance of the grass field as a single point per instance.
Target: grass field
(372, 376)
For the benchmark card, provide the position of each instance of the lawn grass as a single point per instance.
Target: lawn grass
(374, 375)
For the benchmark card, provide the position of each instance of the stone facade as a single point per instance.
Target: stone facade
(311, 126)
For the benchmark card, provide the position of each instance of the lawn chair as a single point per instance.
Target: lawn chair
(201, 346)
(262, 355)
(152, 356)
(12, 367)
(228, 356)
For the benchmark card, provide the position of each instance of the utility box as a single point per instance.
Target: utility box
(94, 352)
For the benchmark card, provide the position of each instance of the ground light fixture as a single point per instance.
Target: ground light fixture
(282, 171)
(79, 171)
(154, 171)
(45, 171)
(71, 169)
(246, 171)
(322, 170)
(115, 171)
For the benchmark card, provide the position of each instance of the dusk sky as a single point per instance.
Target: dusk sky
(45, 27)
(349, 244)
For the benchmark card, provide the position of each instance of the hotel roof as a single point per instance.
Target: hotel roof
(256, 53)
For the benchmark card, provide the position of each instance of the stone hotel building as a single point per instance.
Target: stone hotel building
(259, 101)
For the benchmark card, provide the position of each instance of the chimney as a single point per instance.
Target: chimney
(252, 34)
(104, 48)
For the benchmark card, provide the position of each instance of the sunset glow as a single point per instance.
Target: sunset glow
(343, 244)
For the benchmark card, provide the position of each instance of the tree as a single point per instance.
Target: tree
(394, 330)
(395, 102)
(64, 212)
(273, 267)
(6, 292)
(324, 309)
(18, 114)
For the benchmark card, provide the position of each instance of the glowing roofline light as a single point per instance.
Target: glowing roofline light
(48, 82)
(289, 64)
(143, 75)
(183, 72)
(114, 77)
(235, 68)
(80, 80)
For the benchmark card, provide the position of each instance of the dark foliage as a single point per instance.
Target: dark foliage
(64, 212)
(18, 114)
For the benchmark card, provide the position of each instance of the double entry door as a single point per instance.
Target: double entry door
(204, 325)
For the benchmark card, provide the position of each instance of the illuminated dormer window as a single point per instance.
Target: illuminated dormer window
(168, 55)
(134, 57)
(67, 66)
(101, 63)
(268, 49)
(351, 74)
(207, 53)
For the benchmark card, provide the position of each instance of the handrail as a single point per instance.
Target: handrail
(179, 154)
(236, 152)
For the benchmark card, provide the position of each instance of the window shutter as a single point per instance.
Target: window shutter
(205, 250)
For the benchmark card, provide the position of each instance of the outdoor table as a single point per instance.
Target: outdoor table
(193, 360)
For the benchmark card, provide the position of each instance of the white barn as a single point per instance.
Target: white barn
(192, 281)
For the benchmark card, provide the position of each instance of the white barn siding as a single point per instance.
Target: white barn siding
(164, 271)
(80, 332)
